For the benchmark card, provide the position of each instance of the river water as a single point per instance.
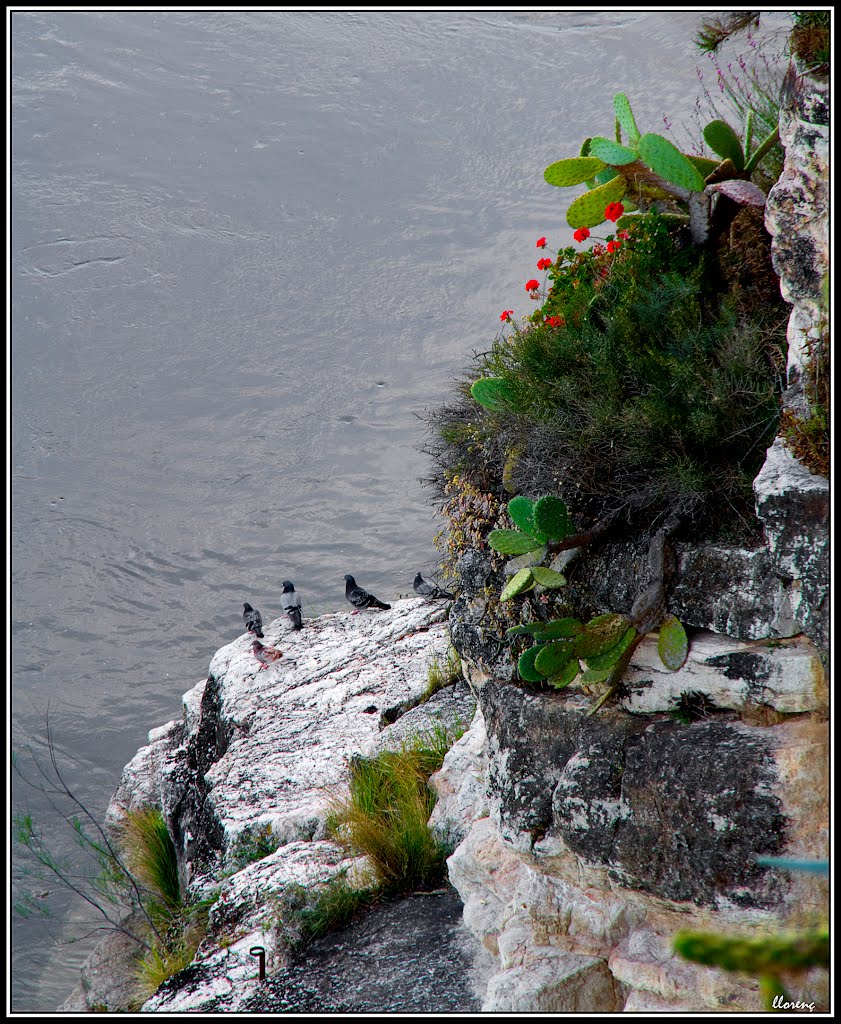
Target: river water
(249, 248)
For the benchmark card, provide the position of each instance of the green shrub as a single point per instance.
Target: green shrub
(650, 389)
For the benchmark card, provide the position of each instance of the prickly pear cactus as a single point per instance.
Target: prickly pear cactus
(494, 393)
(612, 152)
(669, 163)
(588, 210)
(573, 171)
(625, 117)
(722, 139)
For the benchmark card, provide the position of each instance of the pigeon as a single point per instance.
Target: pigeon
(423, 588)
(252, 619)
(291, 601)
(265, 655)
(360, 598)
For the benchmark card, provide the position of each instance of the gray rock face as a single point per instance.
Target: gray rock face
(598, 838)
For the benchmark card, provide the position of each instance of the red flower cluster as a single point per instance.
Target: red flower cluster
(554, 321)
(541, 243)
(532, 286)
(613, 211)
(581, 235)
(544, 264)
(623, 234)
(506, 314)
(614, 246)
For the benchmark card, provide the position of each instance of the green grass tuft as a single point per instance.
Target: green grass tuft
(386, 812)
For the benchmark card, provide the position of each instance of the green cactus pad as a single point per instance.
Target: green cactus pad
(494, 393)
(625, 117)
(525, 665)
(611, 152)
(766, 954)
(558, 628)
(521, 510)
(592, 675)
(565, 676)
(703, 164)
(519, 583)
(510, 542)
(672, 644)
(722, 139)
(601, 634)
(527, 629)
(588, 210)
(548, 578)
(598, 662)
(573, 171)
(667, 160)
(603, 177)
(552, 518)
(554, 657)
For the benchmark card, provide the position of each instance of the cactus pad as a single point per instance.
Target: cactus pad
(601, 634)
(551, 517)
(548, 578)
(722, 139)
(518, 584)
(525, 665)
(573, 171)
(510, 542)
(494, 393)
(588, 210)
(625, 117)
(554, 657)
(565, 676)
(599, 662)
(521, 511)
(667, 160)
(672, 644)
(611, 152)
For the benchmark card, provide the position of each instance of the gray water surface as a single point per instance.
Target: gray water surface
(248, 249)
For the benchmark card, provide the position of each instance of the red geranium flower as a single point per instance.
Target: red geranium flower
(614, 246)
(544, 264)
(598, 250)
(581, 235)
(555, 321)
(541, 243)
(623, 234)
(613, 211)
(532, 286)
(506, 314)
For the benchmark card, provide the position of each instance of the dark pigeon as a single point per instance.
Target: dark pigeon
(360, 598)
(252, 619)
(265, 655)
(423, 588)
(291, 602)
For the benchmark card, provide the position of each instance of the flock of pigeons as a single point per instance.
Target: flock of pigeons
(291, 603)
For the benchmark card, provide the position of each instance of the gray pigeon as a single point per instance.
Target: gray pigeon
(360, 598)
(291, 602)
(423, 588)
(265, 655)
(252, 619)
